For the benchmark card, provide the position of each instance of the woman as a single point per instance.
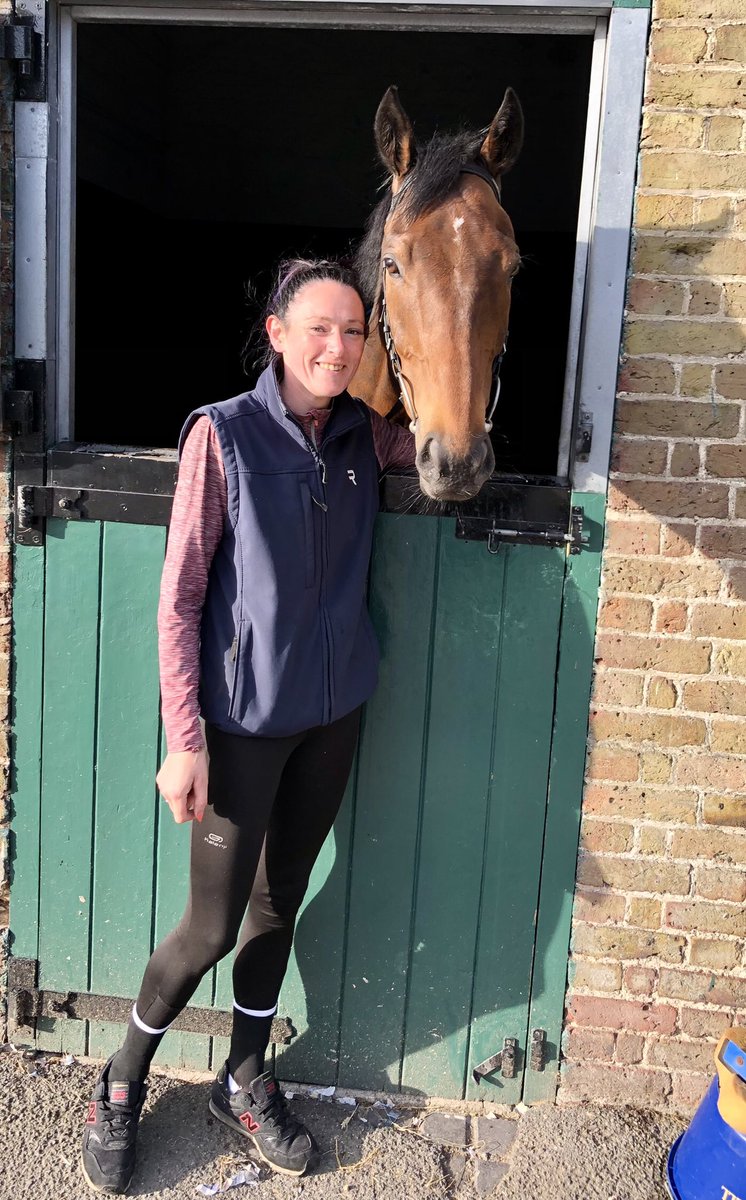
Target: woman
(264, 633)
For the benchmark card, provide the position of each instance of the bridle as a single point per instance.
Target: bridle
(405, 394)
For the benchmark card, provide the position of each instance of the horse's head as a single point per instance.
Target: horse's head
(445, 256)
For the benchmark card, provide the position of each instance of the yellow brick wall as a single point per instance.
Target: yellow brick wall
(658, 965)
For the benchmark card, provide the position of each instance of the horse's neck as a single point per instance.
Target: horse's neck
(372, 382)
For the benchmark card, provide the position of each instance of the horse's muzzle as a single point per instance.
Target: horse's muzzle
(447, 476)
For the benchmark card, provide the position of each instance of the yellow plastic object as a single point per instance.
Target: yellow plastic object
(732, 1095)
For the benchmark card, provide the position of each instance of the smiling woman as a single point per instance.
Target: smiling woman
(264, 633)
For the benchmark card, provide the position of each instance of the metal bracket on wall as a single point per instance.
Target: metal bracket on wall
(22, 416)
(583, 436)
(537, 1053)
(27, 1003)
(21, 43)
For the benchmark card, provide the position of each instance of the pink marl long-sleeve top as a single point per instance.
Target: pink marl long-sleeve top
(197, 522)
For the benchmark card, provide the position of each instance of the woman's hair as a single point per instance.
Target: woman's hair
(292, 275)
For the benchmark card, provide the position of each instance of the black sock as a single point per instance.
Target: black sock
(249, 1042)
(133, 1061)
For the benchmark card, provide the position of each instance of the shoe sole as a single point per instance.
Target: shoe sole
(97, 1187)
(245, 1133)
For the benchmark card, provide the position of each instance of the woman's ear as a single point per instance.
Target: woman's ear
(275, 333)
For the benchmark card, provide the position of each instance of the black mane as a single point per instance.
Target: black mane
(434, 176)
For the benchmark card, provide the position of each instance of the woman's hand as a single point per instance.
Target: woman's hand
(182, 781)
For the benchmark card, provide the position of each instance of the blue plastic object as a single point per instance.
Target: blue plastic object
(708, 1161)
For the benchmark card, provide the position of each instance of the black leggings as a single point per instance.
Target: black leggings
(271, 804)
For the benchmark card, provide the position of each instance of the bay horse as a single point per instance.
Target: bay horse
(436, 265)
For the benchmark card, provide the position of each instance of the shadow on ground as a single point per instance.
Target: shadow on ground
(569, 1153)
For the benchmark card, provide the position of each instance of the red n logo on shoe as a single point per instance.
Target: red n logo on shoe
(91, 1118)
(248, 1122)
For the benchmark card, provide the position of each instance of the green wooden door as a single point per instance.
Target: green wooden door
(416, 947)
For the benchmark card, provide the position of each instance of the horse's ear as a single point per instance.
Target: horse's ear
(394, 136)
(502, 145)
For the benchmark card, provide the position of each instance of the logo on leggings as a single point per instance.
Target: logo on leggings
(351, 477)
(214, 839)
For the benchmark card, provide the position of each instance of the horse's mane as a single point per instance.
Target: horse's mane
(434, 176)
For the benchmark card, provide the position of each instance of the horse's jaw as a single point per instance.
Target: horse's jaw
(372, 381)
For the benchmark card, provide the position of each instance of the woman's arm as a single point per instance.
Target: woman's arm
(394, 445)
(197, 522)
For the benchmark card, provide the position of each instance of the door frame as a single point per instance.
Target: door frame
(45, 181)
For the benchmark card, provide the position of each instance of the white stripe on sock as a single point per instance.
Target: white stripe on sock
(146, 1028)
(256, 1012)
(232, 1085)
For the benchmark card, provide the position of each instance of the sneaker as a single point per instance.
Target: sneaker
(260, 1113)
(111, 1133)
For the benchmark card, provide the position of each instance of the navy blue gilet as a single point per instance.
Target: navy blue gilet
(286, 640)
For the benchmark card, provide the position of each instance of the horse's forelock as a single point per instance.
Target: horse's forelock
(434, 177)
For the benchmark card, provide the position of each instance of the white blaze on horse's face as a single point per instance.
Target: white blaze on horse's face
(448, 298)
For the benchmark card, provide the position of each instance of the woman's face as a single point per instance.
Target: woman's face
(321, 342)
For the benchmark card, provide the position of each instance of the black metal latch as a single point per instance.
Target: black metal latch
(505, 1060)
(491, 531)
(28, 1004)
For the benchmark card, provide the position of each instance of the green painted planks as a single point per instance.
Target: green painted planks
(456, 776)
(515, 819)
(312, 990)
(70, 664)
(575, 669)
(26, 718)
(387, 804)
(124, 794)
(126, 757)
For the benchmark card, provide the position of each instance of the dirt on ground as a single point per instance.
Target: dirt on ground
(368, 1152)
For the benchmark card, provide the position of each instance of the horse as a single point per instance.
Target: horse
(436, 264)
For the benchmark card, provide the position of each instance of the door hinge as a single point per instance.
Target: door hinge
(38, 501)
(28, 1003)
(505, 1059)
(21, 44)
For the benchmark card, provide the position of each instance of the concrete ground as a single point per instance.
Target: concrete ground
(546, 1153)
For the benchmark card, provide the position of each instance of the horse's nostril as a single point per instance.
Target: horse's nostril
(424, 455)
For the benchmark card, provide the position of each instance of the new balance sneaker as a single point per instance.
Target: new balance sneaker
(109, 1139)
(260, 1113)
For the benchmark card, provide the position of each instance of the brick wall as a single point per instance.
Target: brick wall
(658, 965)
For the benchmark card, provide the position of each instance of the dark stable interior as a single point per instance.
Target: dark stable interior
(206, 154)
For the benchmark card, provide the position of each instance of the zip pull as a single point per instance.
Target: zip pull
(319, 503)
(323, 471)
(234, 648)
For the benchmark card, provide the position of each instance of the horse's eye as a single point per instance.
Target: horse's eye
(390, 266)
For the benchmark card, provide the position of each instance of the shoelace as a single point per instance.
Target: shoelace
(117, 1120)
(276, 1114)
